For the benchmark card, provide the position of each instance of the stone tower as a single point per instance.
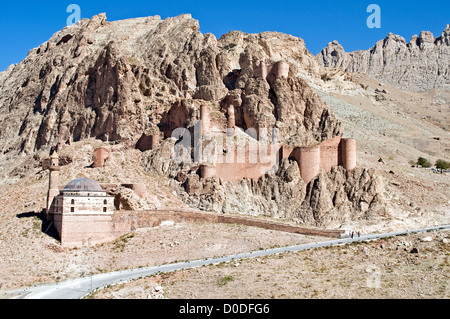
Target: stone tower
(205, 118)
(349, 153)
(309, 162)
(53, 183)
(231, 122)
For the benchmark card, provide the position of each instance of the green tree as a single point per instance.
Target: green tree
(441, 164)
(423, 162)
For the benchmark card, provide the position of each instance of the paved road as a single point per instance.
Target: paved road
(78, 288)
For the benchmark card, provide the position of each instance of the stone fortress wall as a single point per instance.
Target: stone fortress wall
(266, 70)
(96, 226)
(321, 158)
(128, 221)
(254, 161)
(78, 228)
(230, 165)
(312, 160)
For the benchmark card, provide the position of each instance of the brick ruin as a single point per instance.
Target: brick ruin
(83, 212)
(269, 70)
(251, 161)
(79, 216)
(100, 156)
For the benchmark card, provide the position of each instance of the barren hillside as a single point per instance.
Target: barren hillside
(105, 84)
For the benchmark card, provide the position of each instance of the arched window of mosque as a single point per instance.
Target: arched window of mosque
(73, 201)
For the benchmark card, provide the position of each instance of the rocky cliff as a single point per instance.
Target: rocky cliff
(115, 81)
(329, 200)
(421, 64)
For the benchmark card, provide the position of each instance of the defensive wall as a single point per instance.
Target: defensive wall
(126, 221)
(268, 70)
(252, 162)
(100, 228)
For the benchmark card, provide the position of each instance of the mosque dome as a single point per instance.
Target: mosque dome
(83, 185)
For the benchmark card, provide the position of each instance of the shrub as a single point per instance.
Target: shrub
(427, 164)
(423, 162)
(223, 281)
(441, 164)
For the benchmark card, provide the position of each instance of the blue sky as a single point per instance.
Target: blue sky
(27, 24)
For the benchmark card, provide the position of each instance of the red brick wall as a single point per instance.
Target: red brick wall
(329, 154)
(253, 165)
(126, 221)
(100, 155)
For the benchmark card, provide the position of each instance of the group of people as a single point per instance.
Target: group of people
(353, 234)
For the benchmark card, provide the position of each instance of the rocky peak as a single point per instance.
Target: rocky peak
(115, 80)
(333, 55)
(419, 65)
(445, 36)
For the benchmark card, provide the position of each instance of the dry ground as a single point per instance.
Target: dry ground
(378, 269)
(392, 132)
(397, 130)
(42, 260)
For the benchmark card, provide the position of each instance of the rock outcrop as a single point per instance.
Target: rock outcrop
(419, 65)
(116, 80)
(127, 199)
(329, 200)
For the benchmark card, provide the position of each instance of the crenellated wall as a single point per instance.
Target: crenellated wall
(100, 156)
(233, 166)
(148, 142)
(266, 71)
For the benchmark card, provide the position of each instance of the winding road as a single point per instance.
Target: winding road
(81, 287)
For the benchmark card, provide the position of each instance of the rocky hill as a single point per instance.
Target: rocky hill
(115, 81)
(105, 84)
(421, 64)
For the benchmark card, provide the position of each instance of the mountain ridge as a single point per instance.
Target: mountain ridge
(419, 65)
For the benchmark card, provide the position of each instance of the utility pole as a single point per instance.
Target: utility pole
(90, 250)
(189, 248)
